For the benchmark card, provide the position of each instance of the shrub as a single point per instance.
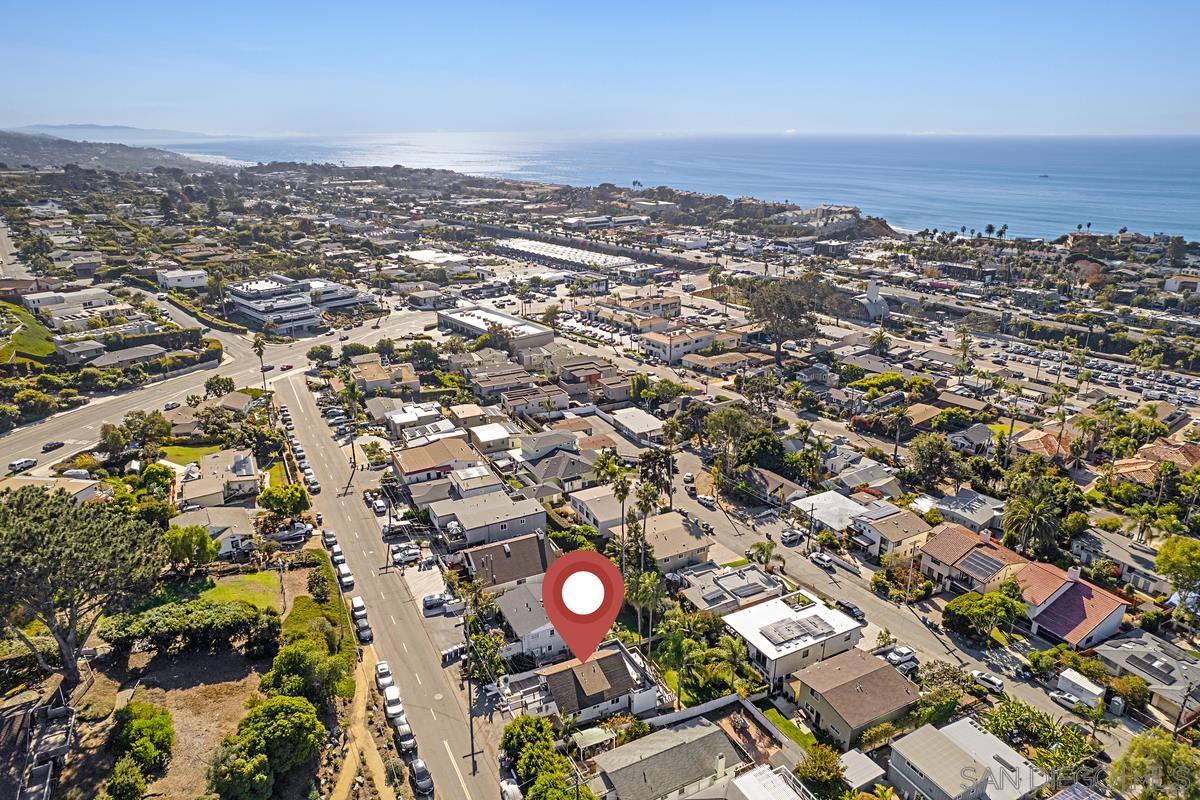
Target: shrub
(318, 586)
(1132, 689)
(127, 781)
(146, 733)
(236, 773)
(188, 625)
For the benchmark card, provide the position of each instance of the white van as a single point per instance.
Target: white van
(345, 576)
(336, 555)
(22, 464)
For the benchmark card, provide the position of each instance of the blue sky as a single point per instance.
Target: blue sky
(696, 67)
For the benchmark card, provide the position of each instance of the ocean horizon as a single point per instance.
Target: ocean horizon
(1039, 186)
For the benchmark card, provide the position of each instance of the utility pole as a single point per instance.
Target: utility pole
(467, 678)
(1187, 695)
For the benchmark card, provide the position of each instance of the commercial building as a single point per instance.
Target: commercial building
(291, 304)
(558, 255)
(181, 278)
(475, 321)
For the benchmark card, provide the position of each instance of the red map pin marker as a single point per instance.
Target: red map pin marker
(582, 594)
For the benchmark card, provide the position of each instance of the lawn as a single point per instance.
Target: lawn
(741, 562)
(278, 474)
(784, 725)
(259, 589)
(32, 340)
(254, 393)
(185, 454)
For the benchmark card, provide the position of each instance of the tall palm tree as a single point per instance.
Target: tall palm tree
(880, 342)
(637, 596)
(619, 482)
(898, 420)
(352, 397)
(654, 596)
(647, 501)
(260, 348)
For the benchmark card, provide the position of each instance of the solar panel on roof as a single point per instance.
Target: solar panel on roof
(789, 630)
(713, 596)
(980, 565)
(747, 590)
(1159, 670)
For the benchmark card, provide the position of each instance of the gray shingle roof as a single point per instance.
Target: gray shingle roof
(665, 761)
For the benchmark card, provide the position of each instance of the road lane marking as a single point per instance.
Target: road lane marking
(402, 644)
(454, 763)
(393, 619)
(418, 677)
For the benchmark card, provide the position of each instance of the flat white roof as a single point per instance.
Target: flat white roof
(638, 421)
(831, 509)
(1010, 775)
(776, 629)
(482, 317)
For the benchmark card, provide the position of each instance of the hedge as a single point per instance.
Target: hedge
(204, 316)
(146, 733)
(193, 625)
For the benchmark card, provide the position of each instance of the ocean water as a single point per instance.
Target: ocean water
(1038, 186)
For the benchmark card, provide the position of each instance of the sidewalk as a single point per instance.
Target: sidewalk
(359, 739)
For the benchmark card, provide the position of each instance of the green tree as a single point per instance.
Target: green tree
(932, 459)
(218, 385)
(319, 354)
(66, 564)
(1178, 560)
(1159, 766)
(239, 773)
(785, 312)
(764, 553)
(523, 731)
(190, 547)
(127, 781)
(821, 770)
(157, 479)
(1032, 516)
(288, 500)
(259, 346)
(285, 729)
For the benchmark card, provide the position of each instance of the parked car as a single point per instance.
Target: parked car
(405, 739)
(707, 501)
(851, 609)
(383, 675)
(363, 629)
(422, 781)
(821, 560)
(171, 406)
(345, 576)
(433, 601)
(1065, 698)
(328, 538)
(689, 477)
(901, 655)
(358, 607)
(22, 464)
(405, 555)
(379, 506)
(907, 668)
(988, 681)
(336, 555)
(392, 707)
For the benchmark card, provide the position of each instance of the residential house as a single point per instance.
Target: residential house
(961, 761)
(771, 488)
(467, 415)
(564, 469)
(850, 692)
(434, 460)
(830, 510)
(722, 590)
(535, 401)
(495, 437)
(674, 542)
(80, 352)
(958, 558)
(81, 490)
(485, 518)
(884, 529)
(536, 446)
(1064, 607)
(782, 637)
(972, 510)
(231, 527)
(1171, 673)
(678, 761)
(613, 680)
(531, 632)
(637, 424)
(597, 507)
(976, 440)
(500, 566)
(1134, 559)
(129, 356)
(181, 279)
(219, 478)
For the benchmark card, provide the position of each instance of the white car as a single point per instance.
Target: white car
(988, 681)
(392, 707)
(901, 655)
(1065, 698)
(383, 675)
(336, 555)
(345, 576)
(821, 559)
(358, 607)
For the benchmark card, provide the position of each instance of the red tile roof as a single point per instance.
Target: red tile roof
(1076, 612)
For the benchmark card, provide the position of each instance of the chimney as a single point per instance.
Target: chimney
(1073, 574)
(720, 765)
(985, 537)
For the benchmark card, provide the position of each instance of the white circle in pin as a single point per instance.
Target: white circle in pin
(583, 593)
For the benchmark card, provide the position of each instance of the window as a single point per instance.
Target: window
(503, 526)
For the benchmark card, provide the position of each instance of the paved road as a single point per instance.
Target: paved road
(10, 265)
(432, 700)
(79, 428)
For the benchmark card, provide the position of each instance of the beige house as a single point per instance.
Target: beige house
(851, 692)
(675, 545)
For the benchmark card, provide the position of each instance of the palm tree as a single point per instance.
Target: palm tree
(619, 481)
(672, 435)
(897, 419)
(647, 501)
(260, 348)
(764, 553)
(654, 596)
(728, 657)
(1096, 717)
(880, 342)
(1032, 515)
(882, 792)
(352, 397)
(637, 596)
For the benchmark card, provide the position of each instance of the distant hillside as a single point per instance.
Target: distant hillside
(123, 134)
(18, 149)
